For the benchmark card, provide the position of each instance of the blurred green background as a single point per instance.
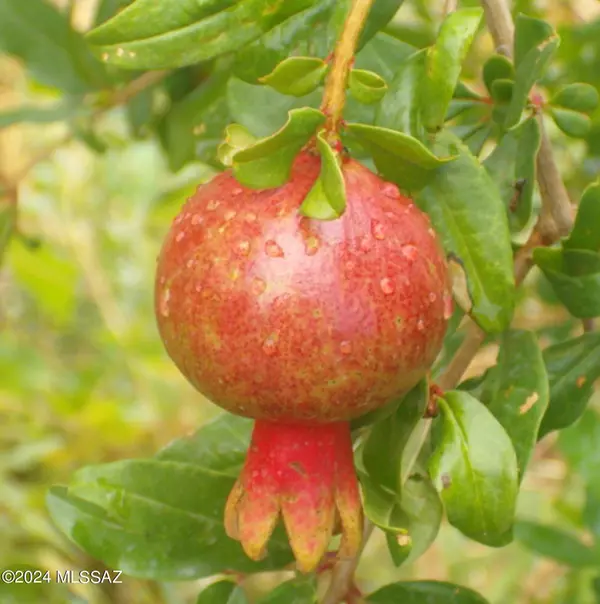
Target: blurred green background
(84, 378)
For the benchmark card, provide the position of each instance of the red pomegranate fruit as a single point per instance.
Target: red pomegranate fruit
(301, 325)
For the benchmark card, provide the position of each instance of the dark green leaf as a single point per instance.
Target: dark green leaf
(268, 162)
(366, 86)
(381, 13)
(261, 109)
(591, 511)
(382, 453)
(585, 234)
(423, 512)
(108, 8)
(327, 198)
(497, 67)
(575, 278)
(577, 97)
(502, 92)
(140, 111)
(572, 123)
(40, 115)
(554, 543)
(474, 467)
(400, 108)
(297, 76)
(53, 52)
(424, 592)
(194, 126)
(296, 591)
(516, 391)
(222, 592)
(512, 167)
(8, 214)
(535, 43)
(444, 63)
(182, 35)
(162, 518)
(467, 211)
(572, 368)
(399, 157)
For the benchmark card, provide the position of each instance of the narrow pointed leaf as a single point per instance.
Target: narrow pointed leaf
(529, 34)
(381, 13)
(585, 234)
(516, 391)
(268, 162)
(572, 368)
(399, 157)
(444, 63)
(474, 467)
(467, 211)
(297, 76)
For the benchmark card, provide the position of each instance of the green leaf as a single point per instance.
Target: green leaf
(467, 211)
(366, 86)
(40, 115)
(551, 542)
(247, 105)
(576, 97)
(474, 467)
(572, 123)
(424, 592)
(572, 368)
(162, 518)
(296, 75)
(140, 111)
(304, 33)
(516, 391)
(222, 592)
(194, 125)
(381, 13)
(268, 162)
(327, 198)
(585, 234)
(8, 215)
(502, 92)
(575, 278)
(398, 157)
(183, 35)
(535, 43)
(423, 511)
(444, 63)
(301, 590)
(236, 138)
(400, 108)
(382, 452)
(497, 67)
(512, 167)
(54, 53)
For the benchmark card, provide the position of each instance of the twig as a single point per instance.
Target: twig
(334, 97)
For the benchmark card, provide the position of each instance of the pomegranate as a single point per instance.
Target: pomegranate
(301, 325)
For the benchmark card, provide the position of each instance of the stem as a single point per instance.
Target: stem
(334, 98)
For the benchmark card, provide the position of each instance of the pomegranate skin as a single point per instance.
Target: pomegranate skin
(283, 318)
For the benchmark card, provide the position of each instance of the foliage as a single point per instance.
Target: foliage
(133, 103)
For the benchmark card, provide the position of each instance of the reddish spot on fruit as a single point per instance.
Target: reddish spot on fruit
(302, 325)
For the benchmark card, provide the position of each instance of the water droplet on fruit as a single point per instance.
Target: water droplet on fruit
(377, 230)
(365, 244)
(387, 286)
(432, 297)
(164, 302)
(179, 236)
(198, 288)
(345, 347)
(230, 215)
(410, 252)
(431, 232)
(420, 325)
(273, 249)
(390, 190)
(258, 286)
(236, 191)
(197, 219)
(250, 217)
(448, 306)
(311, 245)
(213, 204)
(190, 262)
(270, 345)
(243, 248)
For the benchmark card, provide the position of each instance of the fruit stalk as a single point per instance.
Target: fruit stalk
(334, 97)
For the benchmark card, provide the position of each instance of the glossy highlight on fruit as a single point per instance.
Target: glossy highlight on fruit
(302, 325)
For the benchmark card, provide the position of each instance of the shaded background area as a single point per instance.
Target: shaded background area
(83, 375)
